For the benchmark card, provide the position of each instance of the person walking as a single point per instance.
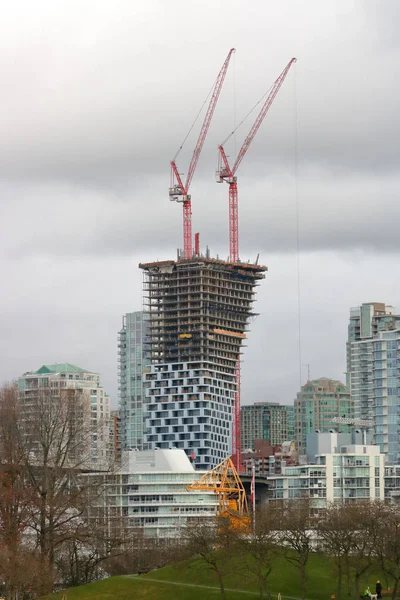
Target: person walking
(378, 589)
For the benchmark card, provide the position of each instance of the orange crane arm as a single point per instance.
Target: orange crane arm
(224, 481)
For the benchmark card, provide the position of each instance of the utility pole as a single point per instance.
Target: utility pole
(253, 494)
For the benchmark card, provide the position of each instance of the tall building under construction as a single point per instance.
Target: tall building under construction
(199, 312)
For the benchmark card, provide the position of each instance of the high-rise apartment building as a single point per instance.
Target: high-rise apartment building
(199, 311)
(133, 361)
(266, 421)
(68, 396)
(373, 358)
(318, 402)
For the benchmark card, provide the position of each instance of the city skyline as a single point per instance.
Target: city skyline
(306, 367)
(74, 228)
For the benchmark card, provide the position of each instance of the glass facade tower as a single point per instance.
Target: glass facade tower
(318, 402)
(133, 362)
(373, 363)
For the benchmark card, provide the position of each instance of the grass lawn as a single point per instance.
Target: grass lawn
(126, 588)
(284, 579)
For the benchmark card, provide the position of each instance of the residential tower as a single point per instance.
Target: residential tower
(199, 314)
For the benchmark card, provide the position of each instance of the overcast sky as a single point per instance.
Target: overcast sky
(97, 96)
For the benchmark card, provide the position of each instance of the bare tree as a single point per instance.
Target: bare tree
(140, 554)
(260, 550)
(19, 572)
(211, 546)
(362, 525)
(45, 496)
(17, 567)
(335, 542)
(81, 558)
(57, 431)
(296, 535)
(388, 543)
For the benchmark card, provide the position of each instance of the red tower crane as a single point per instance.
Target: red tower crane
(228, 174)
(179, 191)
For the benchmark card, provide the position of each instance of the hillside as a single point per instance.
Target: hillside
(183, 583)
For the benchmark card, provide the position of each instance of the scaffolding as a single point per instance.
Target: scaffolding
(199, 309)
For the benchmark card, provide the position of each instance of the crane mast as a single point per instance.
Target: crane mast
(179, 191)
(228, 174)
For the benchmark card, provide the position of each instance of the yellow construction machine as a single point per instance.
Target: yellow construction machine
(224, 481)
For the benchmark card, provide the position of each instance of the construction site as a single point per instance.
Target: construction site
(199, 311)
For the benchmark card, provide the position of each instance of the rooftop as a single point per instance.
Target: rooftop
(60, 368)
(169, 265)
(324, 383)
(155, 461)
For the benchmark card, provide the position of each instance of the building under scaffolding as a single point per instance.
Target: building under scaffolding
(199, 314)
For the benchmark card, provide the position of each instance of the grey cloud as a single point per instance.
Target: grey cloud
(96, 100)
(337, 214)
(115, 99)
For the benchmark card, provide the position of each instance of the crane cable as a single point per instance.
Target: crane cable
(196, 119)
(297, 205)
(234, 104)
(247, 116)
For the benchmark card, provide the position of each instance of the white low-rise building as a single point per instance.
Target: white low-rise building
(149, 493)
(355, 472)
(392, 483)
